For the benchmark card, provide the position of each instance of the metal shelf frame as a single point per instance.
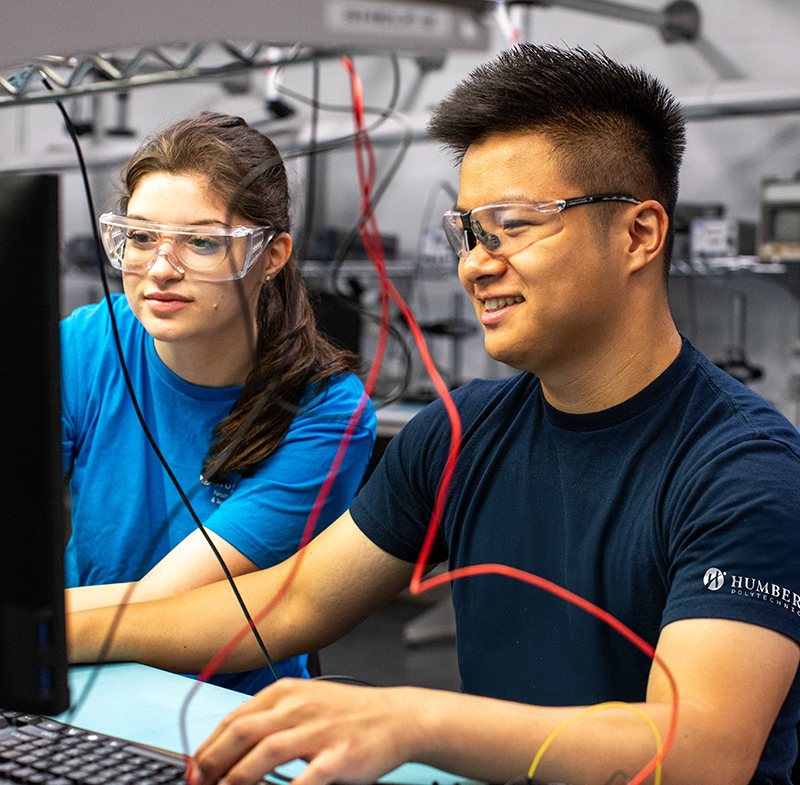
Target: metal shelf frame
(785, 273)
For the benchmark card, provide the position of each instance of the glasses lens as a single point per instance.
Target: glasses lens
(461, 240)
(501, 228)
(509, 228)
(114, 243)
(137, 248)
(453, 231)
(491, 242)
(202, 251)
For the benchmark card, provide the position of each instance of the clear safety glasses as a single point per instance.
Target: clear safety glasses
(212, 253)
(508, 228)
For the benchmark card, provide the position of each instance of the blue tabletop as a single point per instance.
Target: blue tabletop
(144, 704)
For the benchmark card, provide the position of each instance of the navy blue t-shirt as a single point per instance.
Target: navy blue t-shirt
(681, 502)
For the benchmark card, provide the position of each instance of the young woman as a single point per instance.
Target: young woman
(230, 373)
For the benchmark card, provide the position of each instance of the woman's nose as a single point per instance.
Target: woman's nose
(164, 265)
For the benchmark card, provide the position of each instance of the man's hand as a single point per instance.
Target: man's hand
(732, 679)
(347, 734)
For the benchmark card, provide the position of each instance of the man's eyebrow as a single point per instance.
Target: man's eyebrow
(515, 198)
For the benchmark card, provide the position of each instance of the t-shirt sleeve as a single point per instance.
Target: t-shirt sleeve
(266, 514)
(81, 337)
(69, 379)
(734, 545)
(394, 508)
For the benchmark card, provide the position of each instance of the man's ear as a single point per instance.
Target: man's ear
(646, 233)
(278, 253)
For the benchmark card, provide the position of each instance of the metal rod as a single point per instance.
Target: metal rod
(719, 106)
(679, 20)
(611, 9)
(738, 321)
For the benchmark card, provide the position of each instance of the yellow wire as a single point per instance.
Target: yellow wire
(599, 707)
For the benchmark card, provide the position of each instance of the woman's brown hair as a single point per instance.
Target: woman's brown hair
(291, 354)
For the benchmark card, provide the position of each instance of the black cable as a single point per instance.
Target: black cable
(377, 195)
(691, 307)
(148, 434)
(433, 194)
(345, 680)
(349, 238)
(384, 113)
(619, 777)
(523, 779)
(311, 171)
(243, 185)
(315, 148)
(312, 151)
(277, 775)
(276, 160)
(247, 180)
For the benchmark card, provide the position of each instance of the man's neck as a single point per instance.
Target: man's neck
(612, 372)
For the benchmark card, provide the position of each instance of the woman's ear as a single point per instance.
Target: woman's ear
(647, 227)
(277, 254)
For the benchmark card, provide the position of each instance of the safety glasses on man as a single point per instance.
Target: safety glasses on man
(506, 228)
(213, 252)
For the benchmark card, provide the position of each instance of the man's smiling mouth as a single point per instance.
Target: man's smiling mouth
(496, 303)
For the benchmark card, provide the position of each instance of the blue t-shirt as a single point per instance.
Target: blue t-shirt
(681, 502)
(126, 513)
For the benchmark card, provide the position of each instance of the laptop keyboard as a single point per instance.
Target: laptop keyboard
(39, 751)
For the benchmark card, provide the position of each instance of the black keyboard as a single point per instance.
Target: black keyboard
(38, 751)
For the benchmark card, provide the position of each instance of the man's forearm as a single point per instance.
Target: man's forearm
(494, 741)
(359, 734)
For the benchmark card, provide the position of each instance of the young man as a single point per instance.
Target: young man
(620, 464)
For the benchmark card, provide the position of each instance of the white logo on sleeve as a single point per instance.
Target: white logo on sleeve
(753, 588)
(714, 579)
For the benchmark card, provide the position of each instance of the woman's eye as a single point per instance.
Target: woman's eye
(204, 245)
(140, 238)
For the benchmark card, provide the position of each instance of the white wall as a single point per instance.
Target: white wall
(725, 161)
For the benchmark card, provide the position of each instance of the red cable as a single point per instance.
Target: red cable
(372, 243)
(417, 584)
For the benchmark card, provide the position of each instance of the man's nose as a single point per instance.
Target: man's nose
(479, 263)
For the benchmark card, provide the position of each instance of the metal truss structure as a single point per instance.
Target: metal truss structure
(50, 78)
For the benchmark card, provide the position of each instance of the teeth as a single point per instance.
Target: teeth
(496, 303)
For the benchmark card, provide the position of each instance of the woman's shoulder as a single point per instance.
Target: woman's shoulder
(87, 338)
(93, 321)
(337, 397)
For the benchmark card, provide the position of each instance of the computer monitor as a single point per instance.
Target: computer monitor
(33, 661)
